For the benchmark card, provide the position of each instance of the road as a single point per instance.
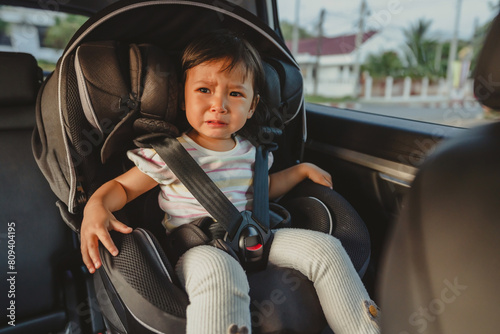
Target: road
(465, 114)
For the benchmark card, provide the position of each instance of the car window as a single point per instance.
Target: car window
(403, 58)
(42, 33)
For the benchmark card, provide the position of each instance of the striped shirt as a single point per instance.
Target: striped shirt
(232, 172)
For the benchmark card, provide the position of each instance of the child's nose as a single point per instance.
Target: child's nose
(218, 104)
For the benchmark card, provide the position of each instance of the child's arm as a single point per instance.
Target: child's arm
(283, 181)
(98, 219)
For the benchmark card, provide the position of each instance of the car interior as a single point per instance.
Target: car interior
(427, 194)
(442, 253)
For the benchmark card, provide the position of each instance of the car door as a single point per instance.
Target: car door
(373, 160)
(373, 137)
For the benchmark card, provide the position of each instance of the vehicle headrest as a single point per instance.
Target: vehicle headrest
(126, 90)
(283, 89)
(20, 80)
(487, 73)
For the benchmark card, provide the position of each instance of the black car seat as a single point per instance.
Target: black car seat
(35, 246)
(139, 284)
(136, 290)
(441, 268)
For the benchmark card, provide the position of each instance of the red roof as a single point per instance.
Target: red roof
(331, 45)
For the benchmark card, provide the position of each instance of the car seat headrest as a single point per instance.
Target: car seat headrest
(283, 89)
(20, 79)
(487, 73)
(152, 74)
(125, 91)
(19, 83)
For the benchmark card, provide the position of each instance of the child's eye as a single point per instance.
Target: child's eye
(235, 94)
(204, 90)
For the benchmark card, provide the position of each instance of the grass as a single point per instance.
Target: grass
(328, 100)
(46, 66)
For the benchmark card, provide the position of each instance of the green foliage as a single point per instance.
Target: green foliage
(388, 63)
(421, 46)
(59, 34)
(287, 30)
(425, 56)
(46, 65)
(327, 100)
(3, 26)
(420, 59)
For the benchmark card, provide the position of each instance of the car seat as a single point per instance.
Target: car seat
(440, 271)
(137, 290)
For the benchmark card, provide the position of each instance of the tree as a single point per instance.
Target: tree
(421, 47)
(443, 60)
(287, 30)
(385, 64)
(4, 32)
(59, 34)
(3, 26)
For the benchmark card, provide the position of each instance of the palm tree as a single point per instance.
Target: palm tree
(421, 46)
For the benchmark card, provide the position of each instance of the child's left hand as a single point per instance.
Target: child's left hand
(283, 181)
(318, 175)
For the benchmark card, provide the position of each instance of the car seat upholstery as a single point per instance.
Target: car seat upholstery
(39, 243)
(441, 268)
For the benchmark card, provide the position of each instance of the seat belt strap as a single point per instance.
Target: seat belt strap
(207, 193)
(261, 188)
(198, 183)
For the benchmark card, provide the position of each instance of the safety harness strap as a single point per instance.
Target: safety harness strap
(208, 194)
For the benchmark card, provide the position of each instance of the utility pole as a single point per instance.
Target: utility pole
(357, 50)
(319, 44)
(295, 32)
(437, 59)
(453, 49)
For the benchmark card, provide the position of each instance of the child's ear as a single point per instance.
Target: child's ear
(255, 102)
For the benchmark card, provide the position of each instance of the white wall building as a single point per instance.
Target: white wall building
(337, 60)
(26, 29)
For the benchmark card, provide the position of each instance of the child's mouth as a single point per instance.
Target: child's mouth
(216, 123)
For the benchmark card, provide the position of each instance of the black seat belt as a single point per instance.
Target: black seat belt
(248, 232)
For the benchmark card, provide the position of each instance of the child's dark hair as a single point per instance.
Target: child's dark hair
(223, 44)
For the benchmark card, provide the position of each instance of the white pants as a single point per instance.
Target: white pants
(218, 289)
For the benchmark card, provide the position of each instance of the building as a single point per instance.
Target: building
(25, 32)
(336, 62)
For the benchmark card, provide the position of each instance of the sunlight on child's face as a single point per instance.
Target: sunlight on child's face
(218, 103)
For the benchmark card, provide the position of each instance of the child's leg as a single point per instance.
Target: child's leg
(322, 259)
(218, 291)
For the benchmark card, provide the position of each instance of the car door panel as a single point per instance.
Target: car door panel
(372, 158)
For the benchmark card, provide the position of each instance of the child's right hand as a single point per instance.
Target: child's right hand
(96, 224)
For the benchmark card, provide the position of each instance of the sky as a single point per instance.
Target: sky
(390, 16)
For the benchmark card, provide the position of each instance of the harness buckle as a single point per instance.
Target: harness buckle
(250, 240)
